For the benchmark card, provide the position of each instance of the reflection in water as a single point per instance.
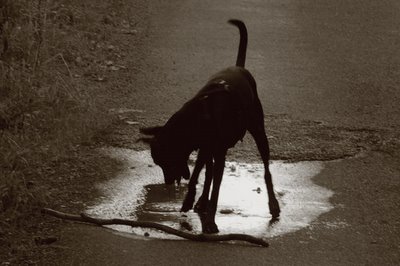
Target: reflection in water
(138, 193)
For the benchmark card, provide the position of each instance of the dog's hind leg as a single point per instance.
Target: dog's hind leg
(263, 148)
(257, 130)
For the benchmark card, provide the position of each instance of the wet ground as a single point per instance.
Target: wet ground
(362, 228)
(139, 193)
(328, 78)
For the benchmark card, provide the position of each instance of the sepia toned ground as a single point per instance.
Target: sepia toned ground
(328, 79)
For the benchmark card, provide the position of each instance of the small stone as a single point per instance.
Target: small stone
(146, 234)
(131, 32)
(132, 122)
(45, 240)
(186, 226)
(100, 79)
(258, 190)
(226, 211)
(108, 20)
(30, 184)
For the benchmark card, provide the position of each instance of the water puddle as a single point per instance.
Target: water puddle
(139, 193)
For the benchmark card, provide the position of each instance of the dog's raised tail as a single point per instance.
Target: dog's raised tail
(241, 57)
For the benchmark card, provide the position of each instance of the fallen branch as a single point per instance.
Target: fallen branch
(195, 237)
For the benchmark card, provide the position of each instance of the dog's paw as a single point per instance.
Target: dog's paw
(210, 228)
(274, 208)
(186, 208)
(187, 205)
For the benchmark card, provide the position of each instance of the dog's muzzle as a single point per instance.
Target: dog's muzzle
(176, 174)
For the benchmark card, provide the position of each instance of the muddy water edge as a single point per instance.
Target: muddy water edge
(138, 193)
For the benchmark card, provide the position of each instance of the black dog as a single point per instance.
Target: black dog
(212, 122)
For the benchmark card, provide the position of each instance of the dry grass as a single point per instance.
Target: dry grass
(56, 88)
(45, 111)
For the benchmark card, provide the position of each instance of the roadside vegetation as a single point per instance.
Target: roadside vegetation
(55, 58)
(44, 111)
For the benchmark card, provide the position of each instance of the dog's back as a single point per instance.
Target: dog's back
(236, 80)
(225, 104)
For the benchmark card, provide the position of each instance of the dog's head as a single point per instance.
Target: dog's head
(166, 154)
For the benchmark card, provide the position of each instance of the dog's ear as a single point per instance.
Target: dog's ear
(151, 130)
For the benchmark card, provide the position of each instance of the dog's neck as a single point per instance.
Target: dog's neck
(179, 135)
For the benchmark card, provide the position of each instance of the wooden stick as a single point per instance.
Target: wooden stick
(167, 229)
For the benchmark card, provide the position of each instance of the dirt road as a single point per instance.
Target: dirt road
(334, 64)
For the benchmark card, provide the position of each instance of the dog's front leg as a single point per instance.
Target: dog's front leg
(202, 202)
(260, 137)
(190, 196)
(209, 225)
